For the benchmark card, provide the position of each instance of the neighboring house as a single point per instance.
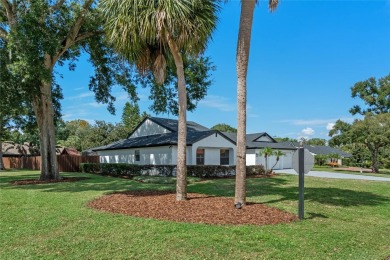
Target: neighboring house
(326, 150)
(257, 142)
(60, 150)
(11, 149)
(154, 141)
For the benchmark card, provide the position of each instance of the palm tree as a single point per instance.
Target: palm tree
(242, 57)
(278, 154)
(266, 152)
(150, 32)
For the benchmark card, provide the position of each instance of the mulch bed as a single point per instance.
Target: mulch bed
(198, 208)
(35, 181)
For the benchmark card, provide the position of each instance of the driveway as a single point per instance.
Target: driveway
(335, 175)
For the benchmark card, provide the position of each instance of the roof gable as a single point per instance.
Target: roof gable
(149, 127)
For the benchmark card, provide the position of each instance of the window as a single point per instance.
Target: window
(137, 155)
(199, 156)
(224, 157)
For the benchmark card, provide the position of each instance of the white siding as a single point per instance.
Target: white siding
(285, 162)
(154, 155)
(264, 139)
(251, 157)
(212, 146)
(188, 153)
(149, 128)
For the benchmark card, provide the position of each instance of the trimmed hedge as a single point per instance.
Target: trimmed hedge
(200, 171)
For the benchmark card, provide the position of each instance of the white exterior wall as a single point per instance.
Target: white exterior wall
(285, 162)
(153, 155)
(188, 154)
(264, 139)
(251, 157)
(212, 146)
(149, 128)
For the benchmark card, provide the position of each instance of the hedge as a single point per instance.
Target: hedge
(200, 171)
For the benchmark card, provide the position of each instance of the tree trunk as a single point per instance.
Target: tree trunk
(181, 177)
(44, 112)
(374, 158)
(277, 160)
(242, 58)
(1, 156)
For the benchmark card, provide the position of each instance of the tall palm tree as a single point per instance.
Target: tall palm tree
(150, 32)
(242, 57)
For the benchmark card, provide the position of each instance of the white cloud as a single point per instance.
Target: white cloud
(316, 122)
(330, 126)
(308, 131)
(218, 102)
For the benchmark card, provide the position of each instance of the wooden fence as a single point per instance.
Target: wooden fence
(66, 163)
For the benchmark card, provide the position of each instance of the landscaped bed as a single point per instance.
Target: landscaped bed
(199, 208)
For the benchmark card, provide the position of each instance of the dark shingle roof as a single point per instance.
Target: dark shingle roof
(172, 124)
(155, 140)
(322, 149)
(251, 143)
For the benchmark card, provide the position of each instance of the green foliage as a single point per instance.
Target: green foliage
(200, 171)
(285, 139)
(131, 116)
(81, 135)
(224, 128)
(374, 93)
(316, 141)
(373, 132)
(197, 72)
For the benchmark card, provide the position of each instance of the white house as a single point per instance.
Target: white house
(154, 141)
(257, 142)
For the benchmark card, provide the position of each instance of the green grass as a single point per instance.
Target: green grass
(163, 180)
(382, 172)
(345, 219)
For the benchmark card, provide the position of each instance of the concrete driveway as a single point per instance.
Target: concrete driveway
(335, 175)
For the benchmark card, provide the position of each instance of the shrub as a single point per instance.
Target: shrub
(200, 171)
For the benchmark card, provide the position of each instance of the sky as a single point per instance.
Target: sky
(304, 59)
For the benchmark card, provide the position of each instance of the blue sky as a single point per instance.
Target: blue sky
(304, 59)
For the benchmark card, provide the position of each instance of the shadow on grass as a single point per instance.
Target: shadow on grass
(285, 192)
(92, 183)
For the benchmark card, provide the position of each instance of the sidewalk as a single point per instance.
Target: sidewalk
(335, 175)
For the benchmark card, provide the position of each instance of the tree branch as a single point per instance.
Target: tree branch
(10, 13)
(57, 5)
(3, 33)
(86, 35)
(74, 31)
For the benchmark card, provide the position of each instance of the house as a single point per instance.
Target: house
(60, 150)
(154, 141)
(257, 142)
(11, 149)
(326, 150)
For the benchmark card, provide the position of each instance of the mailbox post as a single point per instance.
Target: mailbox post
(301, 204)
(303, 162)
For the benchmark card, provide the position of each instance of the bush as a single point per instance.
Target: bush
(200, 171)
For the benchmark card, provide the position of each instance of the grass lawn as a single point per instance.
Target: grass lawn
(382, 172)
(345, 219)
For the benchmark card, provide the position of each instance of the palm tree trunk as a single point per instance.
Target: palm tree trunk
(242, 58)
(44, 112)
(181, 178)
